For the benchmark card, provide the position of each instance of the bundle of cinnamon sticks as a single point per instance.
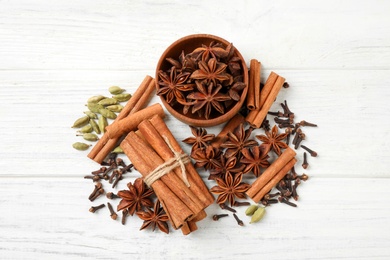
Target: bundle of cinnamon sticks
(153, 150)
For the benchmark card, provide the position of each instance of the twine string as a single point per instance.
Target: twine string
(178, 159)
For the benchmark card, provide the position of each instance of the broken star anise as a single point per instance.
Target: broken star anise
(208, 97)
(200, 140)
(255, 158)
(154, 218)
(274, 139)
(136, 197)
(238, 140)
(229, 188)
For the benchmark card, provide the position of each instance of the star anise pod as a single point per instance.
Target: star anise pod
(173, 86)
(255, 158)
(200, 140)
(212, 71)
(274, 139)
(203, 157)
(224, 166)
(136, 197)
(208, 98)
(214, 50)
(154, 218)
(238, 140)
(229, 188)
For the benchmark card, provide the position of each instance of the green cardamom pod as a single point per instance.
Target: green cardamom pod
(86, 129)
(115, 108)
(94, 107)
(102, 124)
(95, 99)
(107, 113)
(82, 121)
(251, 209)
(258, 215)
(122, 97)
(115, 90)
(90, 114)
(95, 126)
(81, 146)
(117, 149)
(108, 101)
(89, 137)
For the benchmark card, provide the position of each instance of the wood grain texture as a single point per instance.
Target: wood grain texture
(52, 220)
(55, 54)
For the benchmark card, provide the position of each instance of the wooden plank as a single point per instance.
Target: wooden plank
(38, 108)
(128, 35)
(335, 218)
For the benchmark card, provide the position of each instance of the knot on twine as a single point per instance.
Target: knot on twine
(178, 159)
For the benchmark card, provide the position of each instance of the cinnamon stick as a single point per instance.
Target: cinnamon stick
(272, 183)
(267, 87)
(139, 99)
(229, 127)
(119, 128)
(188, 227)
(253, 98)
(193, 176)
(270, 172)
(175, 208)
(256, 117)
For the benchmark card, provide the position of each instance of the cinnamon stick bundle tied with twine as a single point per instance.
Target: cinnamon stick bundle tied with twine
(272, 175)
(267, 97)
(138, 101)
(167, 169)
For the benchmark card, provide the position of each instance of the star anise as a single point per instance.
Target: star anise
(200, 140)
(173, 86)
(274, 139)
(136, 197)
(154, 218)
(223, 166)
(214, 50)
(229, 188)
(238, 140)
(255, 158)
(212, 71)
(208, 98)
(203, 157)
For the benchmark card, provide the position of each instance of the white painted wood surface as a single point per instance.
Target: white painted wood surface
(55, 54)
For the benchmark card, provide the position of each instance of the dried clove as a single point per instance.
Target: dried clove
(125, 212)
(226, 207)
(218, 216)
(239, 203)
(311, 152)
(305, 164)
(111, 195)
(239, 221)
(93, 209)
(112, 212)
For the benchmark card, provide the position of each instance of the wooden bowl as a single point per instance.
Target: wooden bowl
(188, 44)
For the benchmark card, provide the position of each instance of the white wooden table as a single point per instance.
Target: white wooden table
(55, 54)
